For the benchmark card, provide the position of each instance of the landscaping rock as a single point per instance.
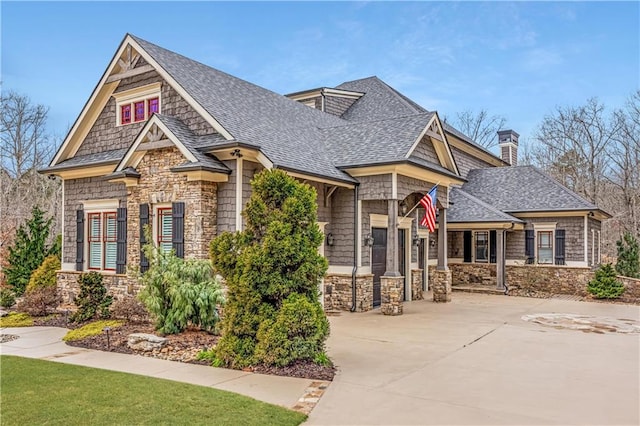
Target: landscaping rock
(145, 342)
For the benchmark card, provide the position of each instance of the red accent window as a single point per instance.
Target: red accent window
(125, 114)
(153, 106)
(139, 111)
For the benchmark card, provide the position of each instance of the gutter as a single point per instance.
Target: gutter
(355, 250)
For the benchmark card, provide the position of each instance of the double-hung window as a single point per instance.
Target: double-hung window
(102, 238)
(545, 246)
(482, 246)
(165, 229)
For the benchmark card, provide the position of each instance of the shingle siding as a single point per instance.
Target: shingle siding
(106, 136)
(369, 208)
(378, 187)
(76, 191)
(226, 201)
(341, 226)
(337, 105)
(574, 237)
(466, 162)
(426, 151)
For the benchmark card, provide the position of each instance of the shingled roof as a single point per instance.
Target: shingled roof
(523, 189)
(465, 208)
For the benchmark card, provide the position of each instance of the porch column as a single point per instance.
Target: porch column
(500, 255)
(441, 284)
(442, 241)
(392, 240)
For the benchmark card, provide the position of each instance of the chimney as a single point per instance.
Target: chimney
(508, 142)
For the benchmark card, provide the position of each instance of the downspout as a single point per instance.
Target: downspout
(355, 249)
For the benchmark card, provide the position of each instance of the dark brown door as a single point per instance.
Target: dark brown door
(378, 261)
(401, 259)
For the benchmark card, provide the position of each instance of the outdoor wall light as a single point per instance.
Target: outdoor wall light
(368, 240)
(416, 240)
(330, 239)
(403, 208)
(432, 243)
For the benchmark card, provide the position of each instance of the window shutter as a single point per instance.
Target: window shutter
(529, 246)
(144, 221)
(560, 247)
(492, 246)
(79, 240)
(177, 211)
(468, 245)
(121, 232)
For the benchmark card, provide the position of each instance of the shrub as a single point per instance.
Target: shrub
(272, 269)
(129, 309)
(29, 250)
(92, 300)
(45, 275)
(15, 319)
(605, 284)
(92, 329)
(180, 292)
(628, 263)
(40, 301)
(7, 297)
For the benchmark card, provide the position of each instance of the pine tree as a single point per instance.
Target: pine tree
(29, 250)
(605, 284)
(272, 270)
(628, 263)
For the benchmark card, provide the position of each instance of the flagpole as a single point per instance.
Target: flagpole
(413, 208)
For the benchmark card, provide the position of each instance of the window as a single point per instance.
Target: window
(482, 246)
(102, 240)
(139, 111)
(545, 246)
(125, 114)
(153, 106)
(137, 104)
(165, 229)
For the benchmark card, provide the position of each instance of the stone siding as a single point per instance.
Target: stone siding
(76, 191)
(466, 162)
(473, 274)
(391, 294)
(631, 290)
(341, 226)
(106, 136)
(338, 295)
(158, 185)
(425, 150)
(416, 285)
(528, 280)
(441, 285)
(118, 286)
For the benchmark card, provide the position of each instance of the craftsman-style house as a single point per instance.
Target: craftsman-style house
(167, 141)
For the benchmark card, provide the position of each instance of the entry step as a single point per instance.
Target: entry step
(477, 289)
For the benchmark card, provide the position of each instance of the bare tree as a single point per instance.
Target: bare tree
(479, 126)
(24, 148)
(573, 143)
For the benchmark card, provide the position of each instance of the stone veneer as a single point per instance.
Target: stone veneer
(337, 292)
(525, 280)
(391, 295)
(441, 285)
(416, 284)
(473, 274)
(118, 286)
(631, 290)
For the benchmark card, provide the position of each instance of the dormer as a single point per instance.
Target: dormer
(333, 101)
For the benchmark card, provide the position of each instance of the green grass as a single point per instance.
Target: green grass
(15, 319)
(45, 392)
(92, 329)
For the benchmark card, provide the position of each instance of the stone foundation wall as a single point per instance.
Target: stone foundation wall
(441, 285)
(473, 274)
(118, 286)
(528, 280)
(391, 295)
(631, 290)
(337, 292)
(416, 284)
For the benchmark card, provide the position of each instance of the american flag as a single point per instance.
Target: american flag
(429, 204)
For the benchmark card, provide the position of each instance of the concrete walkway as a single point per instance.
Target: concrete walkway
(477, 361)
(45, 343)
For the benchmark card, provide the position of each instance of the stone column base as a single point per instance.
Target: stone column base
(441, 285)
(391, 294)
(416, 284)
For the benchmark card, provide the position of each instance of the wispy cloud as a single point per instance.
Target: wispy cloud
(541, 59)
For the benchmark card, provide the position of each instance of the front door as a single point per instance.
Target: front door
(401, 260)
(378, 261)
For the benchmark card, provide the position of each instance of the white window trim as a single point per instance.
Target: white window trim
(545, 227)
(474, 247)
(92, 207)
(138, 94)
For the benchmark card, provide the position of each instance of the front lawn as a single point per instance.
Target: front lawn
(45, 392)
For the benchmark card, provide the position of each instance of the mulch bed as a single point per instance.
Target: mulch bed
(183, 347)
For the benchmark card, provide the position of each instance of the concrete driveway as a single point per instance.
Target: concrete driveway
(476, 361)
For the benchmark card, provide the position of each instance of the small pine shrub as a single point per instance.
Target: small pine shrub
(7, 297)
(92, 300)
(45, 275)
(605, 285)
(40, 302)
(628, 263)
(129, 309)
(16, 319)
(92, 329)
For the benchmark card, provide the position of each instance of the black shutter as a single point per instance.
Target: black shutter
(492, 246)
(79, 240)
(177, 213)
(468, 246)
(121, 233)
(144, 221)
(560, 247)
(529, 246)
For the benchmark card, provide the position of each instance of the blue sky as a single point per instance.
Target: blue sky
(519, 60)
